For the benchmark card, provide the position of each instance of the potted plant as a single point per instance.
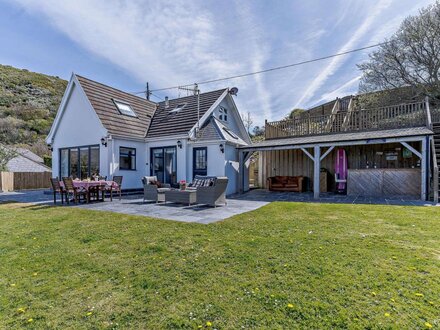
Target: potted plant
(182, 184)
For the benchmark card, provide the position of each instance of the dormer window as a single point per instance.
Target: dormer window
(223, 114)
(179, 107)
(124, 108)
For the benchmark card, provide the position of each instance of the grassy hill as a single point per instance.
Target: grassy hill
(28, 105)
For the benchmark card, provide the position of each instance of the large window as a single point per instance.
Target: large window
(79, 162)
(127, 158)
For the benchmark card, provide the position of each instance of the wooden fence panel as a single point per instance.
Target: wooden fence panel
(24, 180)
(6, 181)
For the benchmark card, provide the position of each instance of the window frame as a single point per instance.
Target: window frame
(128, 155)
(116, 102)
(78, 160)
(223, 113)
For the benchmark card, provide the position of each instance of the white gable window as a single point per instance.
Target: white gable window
(223, 113)
(124, 108)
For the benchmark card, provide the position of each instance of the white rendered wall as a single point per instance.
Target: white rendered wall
(79, 126)
(131, 178)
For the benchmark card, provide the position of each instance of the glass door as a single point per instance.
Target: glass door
(200, 161)
(164, 164)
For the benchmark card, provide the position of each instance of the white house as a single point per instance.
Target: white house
(99, 129)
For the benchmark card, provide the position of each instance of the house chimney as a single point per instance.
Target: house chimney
(167, 103)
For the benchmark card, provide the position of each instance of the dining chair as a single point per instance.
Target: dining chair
(56, 188)
(75, 191)
(118, 180)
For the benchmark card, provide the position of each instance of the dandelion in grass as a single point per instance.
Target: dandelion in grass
(209, 324)
(21, 310)
(35, 274)
(387, 314)
(290, 306)
(418, 294)
(89, 313)
(428, 325)
(374, 294)
(30, 320)
(13, 284)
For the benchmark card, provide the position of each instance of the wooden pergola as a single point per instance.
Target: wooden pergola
(317, 147)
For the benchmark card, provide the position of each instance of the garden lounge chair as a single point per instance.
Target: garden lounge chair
(77, 193)
(210, 190)
(151, 191)
(56, 188)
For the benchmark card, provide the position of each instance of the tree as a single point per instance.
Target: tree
(295, 113)
(6, 154)
(410, 58)
(247, 121)
(258, 131)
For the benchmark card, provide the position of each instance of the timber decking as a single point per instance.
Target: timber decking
(399, 116)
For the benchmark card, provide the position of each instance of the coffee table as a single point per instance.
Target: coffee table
(181, 196)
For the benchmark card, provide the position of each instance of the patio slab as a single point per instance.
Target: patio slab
(178, 212)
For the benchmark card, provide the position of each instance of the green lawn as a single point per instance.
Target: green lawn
(286, 265)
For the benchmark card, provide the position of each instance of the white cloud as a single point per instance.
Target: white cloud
(172, 42)
(336, 62)
(349, 87)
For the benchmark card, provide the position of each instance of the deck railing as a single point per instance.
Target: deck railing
(397, 116)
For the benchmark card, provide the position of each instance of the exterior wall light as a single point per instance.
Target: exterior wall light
(222, 148)
(104, 141)
(49, 146)
(179, 144)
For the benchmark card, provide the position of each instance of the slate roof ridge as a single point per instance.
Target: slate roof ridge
(192, 96)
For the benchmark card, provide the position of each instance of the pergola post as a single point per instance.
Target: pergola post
(240, 172)
(316, 171)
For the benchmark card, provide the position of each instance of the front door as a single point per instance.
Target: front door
(164, 164)
(200, 161)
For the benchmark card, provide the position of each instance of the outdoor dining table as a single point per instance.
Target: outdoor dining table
(87, 185)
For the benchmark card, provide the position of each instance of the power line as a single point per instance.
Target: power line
(270, 69)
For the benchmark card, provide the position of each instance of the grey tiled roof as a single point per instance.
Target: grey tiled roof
(209, 131)
(101, 97)
(342, 137)
(166, 123)
(23, 164)
(214, 129)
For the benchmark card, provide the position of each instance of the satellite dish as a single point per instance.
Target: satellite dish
(233, 91)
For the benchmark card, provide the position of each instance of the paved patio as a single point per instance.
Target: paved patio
(252, 200)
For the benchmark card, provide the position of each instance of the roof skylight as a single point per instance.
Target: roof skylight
(124, 108)
(179, 107)
(232, 134)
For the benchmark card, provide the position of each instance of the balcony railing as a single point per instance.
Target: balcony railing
(398, 116)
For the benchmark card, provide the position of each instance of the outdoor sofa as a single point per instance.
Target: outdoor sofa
(152, 192)
(286, 183)
(211, 190)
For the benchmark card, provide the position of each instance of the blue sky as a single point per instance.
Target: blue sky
(127, 43)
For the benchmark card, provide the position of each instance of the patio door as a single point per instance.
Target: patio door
(200, 161)
(163, 164)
